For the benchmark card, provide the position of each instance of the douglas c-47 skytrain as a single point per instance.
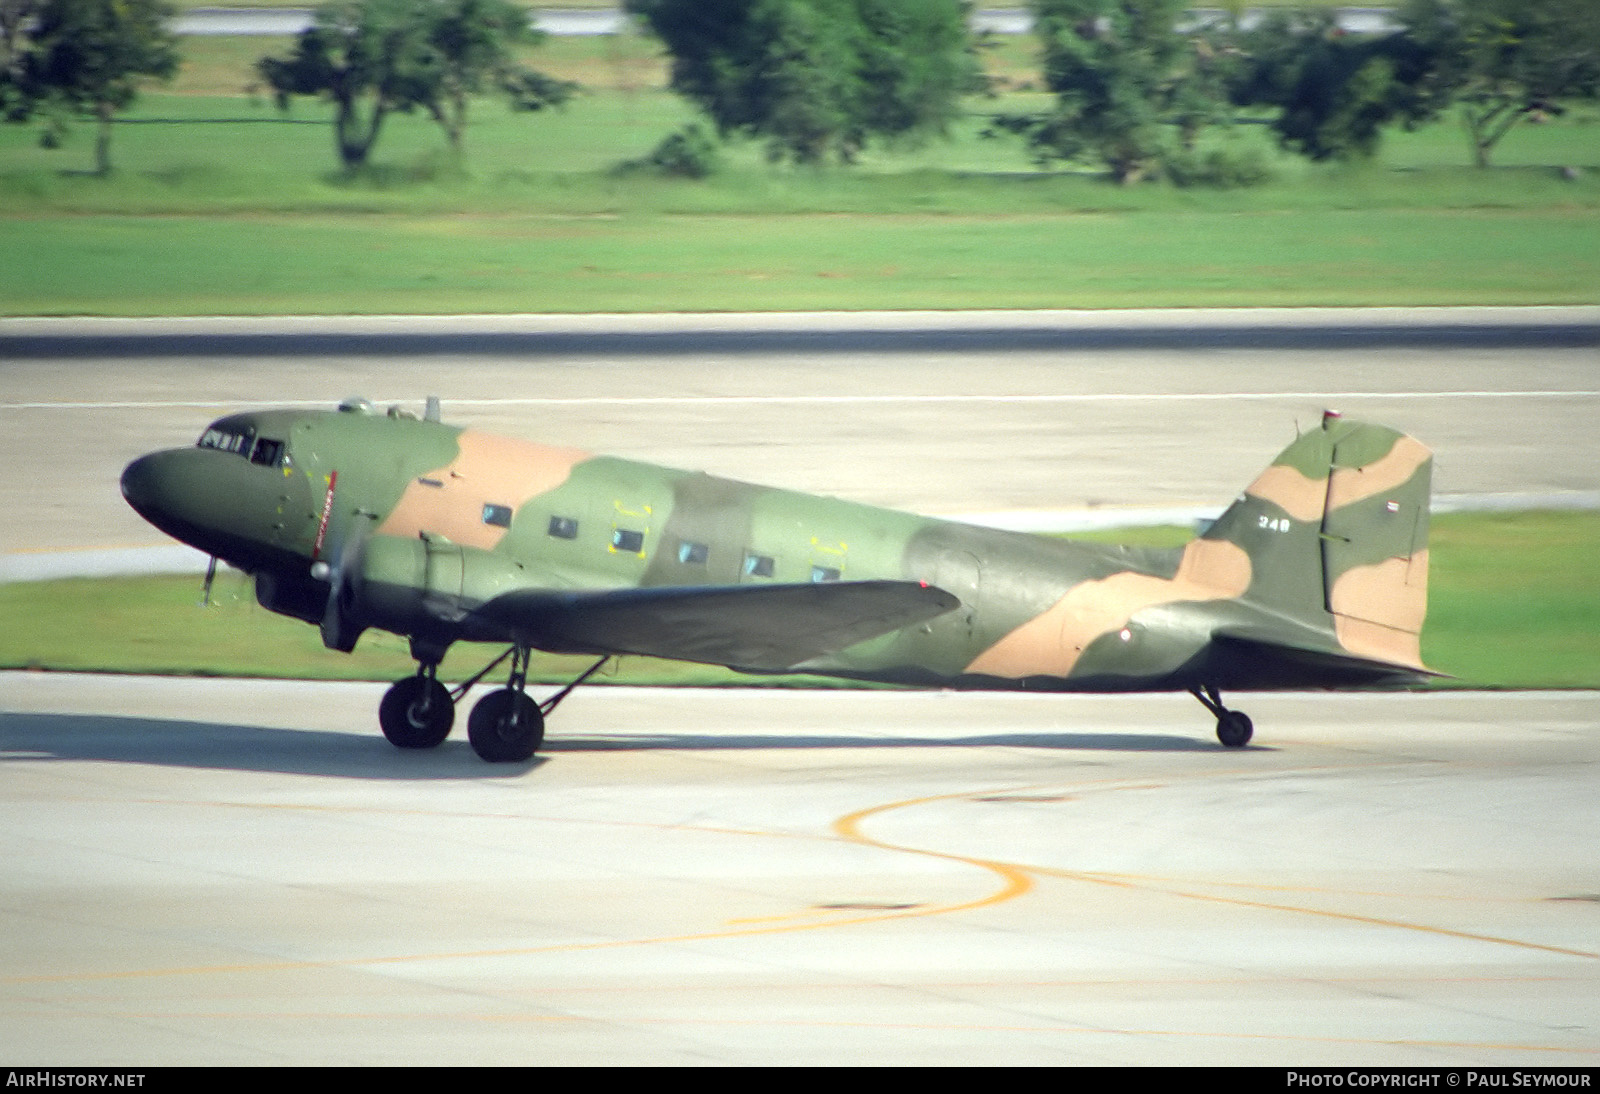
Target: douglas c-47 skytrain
(1316, 576)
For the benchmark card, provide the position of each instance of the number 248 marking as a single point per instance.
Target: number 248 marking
(1273, 524)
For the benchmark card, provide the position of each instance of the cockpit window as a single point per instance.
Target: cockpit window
(264, 451)
(267, 452)
(227, 440)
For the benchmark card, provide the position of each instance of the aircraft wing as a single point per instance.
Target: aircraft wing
(760, 627)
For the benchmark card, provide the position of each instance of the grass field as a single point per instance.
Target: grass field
(271, 264)
(1514, 602)
(220, 204)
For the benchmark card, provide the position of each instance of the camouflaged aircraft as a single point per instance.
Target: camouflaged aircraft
(1316, 576)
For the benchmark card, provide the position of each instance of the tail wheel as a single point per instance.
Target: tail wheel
(416, 713)
(1234, 728)
(506, 727)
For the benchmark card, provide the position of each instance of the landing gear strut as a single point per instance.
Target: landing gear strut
(506, 726)
(1233, 726)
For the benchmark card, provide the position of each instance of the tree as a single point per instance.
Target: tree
(85, 57)
(17, 22)
(369, 57)
(818, 78)
(1334, 91)
(1132, 92)
(473, 41)
(1503, 61)
(372, 58)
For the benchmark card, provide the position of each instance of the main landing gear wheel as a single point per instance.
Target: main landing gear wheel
(417, 712)
(506, 726)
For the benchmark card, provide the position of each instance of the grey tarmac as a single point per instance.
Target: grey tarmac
(203, 872)
(940, 413)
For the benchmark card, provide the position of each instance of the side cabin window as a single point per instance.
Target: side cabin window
(563, 527)
(497, 515)
(693, 554)
(630, 526)
(827, 559)
(758, 565)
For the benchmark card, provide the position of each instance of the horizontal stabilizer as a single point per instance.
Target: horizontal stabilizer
(765, 628)
(1249, 663)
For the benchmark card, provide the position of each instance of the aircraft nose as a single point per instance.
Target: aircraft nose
(221, 503)
(142, 485)
(175, 491)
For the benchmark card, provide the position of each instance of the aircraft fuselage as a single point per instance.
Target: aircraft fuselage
(355, 519)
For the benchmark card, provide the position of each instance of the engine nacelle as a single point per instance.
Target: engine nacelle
(425, 586)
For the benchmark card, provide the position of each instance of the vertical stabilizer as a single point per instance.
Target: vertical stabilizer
(1336, 530)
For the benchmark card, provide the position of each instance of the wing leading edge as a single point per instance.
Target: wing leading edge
(765, 628)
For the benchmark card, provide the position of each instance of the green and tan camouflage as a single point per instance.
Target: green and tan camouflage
(1316, 576)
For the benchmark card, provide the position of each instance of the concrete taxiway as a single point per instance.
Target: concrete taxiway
(231, 872)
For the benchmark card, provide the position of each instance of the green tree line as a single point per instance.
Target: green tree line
(1135, 86)
(1136, 82)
